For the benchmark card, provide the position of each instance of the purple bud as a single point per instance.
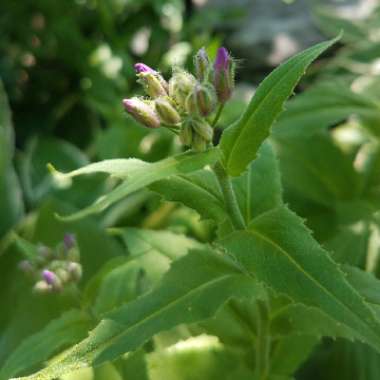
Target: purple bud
(69, 241)
(143, 68)
(222, 59)
(49, 277)
(224, 75)
(142, 112)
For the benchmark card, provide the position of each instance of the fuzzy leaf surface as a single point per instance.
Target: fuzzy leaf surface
(193, 290)
(279, 250)
(138, 175)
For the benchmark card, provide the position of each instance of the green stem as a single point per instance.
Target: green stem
(263, 341)
(229, 197)
(217, 116)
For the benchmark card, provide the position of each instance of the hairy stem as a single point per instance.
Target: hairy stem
(229, 197)
(263, 341)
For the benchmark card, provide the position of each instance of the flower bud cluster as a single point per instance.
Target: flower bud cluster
(184, 103)
(53, 269)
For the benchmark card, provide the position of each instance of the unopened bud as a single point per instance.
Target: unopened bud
(143, 68)
(42, 287)
(199, 144)
(69, 241)
(52, 279)
(142, 112)
(202, 128)
(63, 275)
(44, 252)
(201, 101)
(26, 266)
(180, 86)
(202, 65)
(186, 134)
(75, 271)
(153, 84)
(167, 113)
(224, 75)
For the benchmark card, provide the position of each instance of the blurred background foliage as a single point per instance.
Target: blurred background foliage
(66, 65)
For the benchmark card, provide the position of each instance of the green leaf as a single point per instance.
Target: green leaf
(259, 188)
(285, 361)
(199, 190)
(241, 141)
(320, 107)
(138, 175)
(37, 348)
(314, 176)
(151, 253)
(119, 286)
(11, 202)
(193, 290)
(279, 251)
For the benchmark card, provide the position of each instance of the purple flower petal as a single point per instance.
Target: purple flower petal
(222, 59)
(143, 68)
(49, 276)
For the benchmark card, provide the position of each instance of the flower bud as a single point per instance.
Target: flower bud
(201, 101)
(49, 276)
(153, 84)
(202, 65)
(44, 252)
(42, 287)
(199, 144)
(167, 113)
(180, 86)
(69, 241)
(26, 266)
(75, 271)
(143, 68)
(52, 279)
(224, 75)
(63, 275)
(202, 128)
(186, 134)
(142, 112)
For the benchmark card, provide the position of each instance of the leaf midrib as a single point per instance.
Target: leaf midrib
(262, 101)
(315, 281)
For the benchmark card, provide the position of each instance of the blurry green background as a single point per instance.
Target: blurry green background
(65, 67)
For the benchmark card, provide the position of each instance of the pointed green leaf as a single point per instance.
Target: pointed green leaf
(199, 190)
(58, 334)
(280, 251)
(241, 141)
(259, 189)
(193, 290)
(138, 175)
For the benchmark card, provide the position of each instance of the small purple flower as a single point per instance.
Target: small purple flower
(224, 75)
(49, 277)
(143, 68)
(69, 241)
